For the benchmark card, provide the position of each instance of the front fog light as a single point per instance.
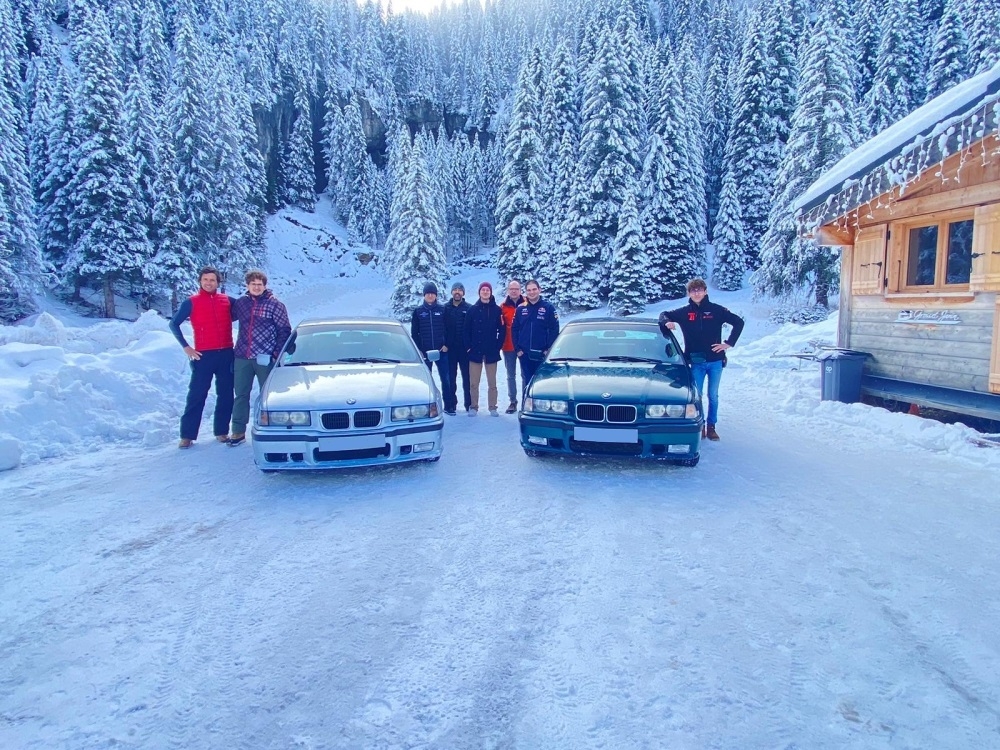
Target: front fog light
(423, 447)
(679, 448)
(534, 440)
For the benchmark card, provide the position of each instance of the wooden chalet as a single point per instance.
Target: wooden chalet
(916, 215)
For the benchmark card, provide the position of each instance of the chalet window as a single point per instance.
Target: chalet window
(937, 256)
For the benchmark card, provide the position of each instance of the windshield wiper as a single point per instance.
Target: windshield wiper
(567, 359)
(627, 358)
(302, 364)
(375, 360)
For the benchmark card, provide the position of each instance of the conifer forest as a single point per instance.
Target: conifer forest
(611, 149)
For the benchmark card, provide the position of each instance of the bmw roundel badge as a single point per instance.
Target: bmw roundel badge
(605, 395)
(352, 401)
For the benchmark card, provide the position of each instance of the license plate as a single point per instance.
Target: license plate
(352, 443)
(599, 435)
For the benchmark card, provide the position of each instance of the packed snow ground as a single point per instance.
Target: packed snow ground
(824, 579)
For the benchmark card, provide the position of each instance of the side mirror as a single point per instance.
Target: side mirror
(433, 355)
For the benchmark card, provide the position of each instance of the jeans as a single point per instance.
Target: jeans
(244, 372)
(476, 371)
(714, 372)
(456, 363)
(218, 364)
(442, 365)
(528, 367)
(510, 365)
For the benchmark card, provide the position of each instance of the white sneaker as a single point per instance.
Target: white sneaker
(494, 413)
(473, 412)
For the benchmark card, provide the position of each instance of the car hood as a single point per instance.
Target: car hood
(635, 383)
(330, 386)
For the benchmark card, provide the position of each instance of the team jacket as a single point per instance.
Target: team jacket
(508, 308)
(427, 327)
(702, 327)
(264, 325)
(211, 318)
(454, 326)
(484, 332)
(535, 327)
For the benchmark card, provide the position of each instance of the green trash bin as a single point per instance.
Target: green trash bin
(840, 375)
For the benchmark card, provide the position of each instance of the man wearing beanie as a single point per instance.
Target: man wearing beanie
(455, 313)
(484, 334)
(427, 331)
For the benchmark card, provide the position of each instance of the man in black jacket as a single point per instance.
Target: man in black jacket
(455, 313)
(428, 332)
(701, 323)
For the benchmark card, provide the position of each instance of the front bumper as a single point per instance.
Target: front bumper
(672, 440)
(278, 449)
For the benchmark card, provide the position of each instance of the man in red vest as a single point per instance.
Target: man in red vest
(211, 356)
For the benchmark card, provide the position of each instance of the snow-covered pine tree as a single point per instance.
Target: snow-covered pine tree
(983, 21)
(354, 147)
(416, 234)
(867, 33)
(949, 59)
(897, 86)
(142, 142)
(823, 132)
(609, 159)
(730, 244)
(173, 264)
(55, 204)
(300, 174)
(20, 261)
(123, 22)
(107, 231)
(560, 108)
(692, 102)
(334, 133)
(154, 55)
(718, 107)
(12, 51)
(39, 79)
(189, 121)
(519, 218)
(752, 151)
(628, 263)
(783, 30)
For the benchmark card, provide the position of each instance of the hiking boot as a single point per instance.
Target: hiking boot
(235, 440)
(710, 432)
(185, 443)
(512, 409)
(222, 438)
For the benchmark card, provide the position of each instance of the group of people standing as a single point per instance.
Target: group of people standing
(263, 330)
(473, 338)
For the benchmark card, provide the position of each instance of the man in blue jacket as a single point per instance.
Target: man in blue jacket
(536, 326)
(701, 323)
(427, 329)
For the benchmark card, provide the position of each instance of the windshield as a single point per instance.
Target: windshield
(613, 343)
(325, 345)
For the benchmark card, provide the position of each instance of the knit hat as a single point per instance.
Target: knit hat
(430, 288)
(458, 285)
(486, 284)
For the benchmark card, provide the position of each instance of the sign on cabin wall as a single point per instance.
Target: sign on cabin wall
(925, 317)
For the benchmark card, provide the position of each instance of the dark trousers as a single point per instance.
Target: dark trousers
(451, 389)
(218, 364)
(528, 367)
(442, 365)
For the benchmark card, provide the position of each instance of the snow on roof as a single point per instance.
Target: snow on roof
(953, 104)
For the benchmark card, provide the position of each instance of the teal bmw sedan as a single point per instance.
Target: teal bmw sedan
(613, 387)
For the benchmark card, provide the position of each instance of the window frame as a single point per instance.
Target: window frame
(902, 230)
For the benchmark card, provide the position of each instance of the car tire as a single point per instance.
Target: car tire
(689, 461)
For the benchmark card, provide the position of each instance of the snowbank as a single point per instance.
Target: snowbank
(66, 390)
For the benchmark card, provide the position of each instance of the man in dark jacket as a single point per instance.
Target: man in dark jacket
(701, 323)
(455, 313)
(428, 332)
(536, 325)
(211, 356)
(264, 329)
(484, 335)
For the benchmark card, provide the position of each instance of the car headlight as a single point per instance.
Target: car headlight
(416, 411)
(546, 405)
(284, 419)
(671, 411)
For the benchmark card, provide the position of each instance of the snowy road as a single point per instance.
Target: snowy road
(794, 590)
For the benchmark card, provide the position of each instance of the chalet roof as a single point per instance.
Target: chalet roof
(962, 115)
